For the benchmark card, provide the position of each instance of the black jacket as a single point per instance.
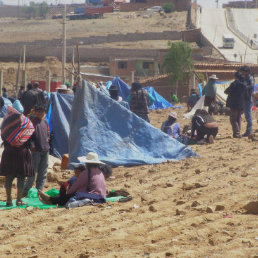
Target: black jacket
(235, 92)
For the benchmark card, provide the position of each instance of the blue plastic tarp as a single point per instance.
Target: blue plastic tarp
(159, 101)
(200, 89)
(4, 108)
(61, 105)
(124, 92)
(100, 124)
(123, 88)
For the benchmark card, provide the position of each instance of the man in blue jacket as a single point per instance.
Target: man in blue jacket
(248, 81)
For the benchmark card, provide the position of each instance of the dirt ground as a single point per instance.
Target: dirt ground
(189, 208)
(13, 30)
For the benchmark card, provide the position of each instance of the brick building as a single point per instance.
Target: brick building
(138, 68)
(224, 71)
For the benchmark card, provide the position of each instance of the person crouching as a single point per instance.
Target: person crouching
(204, 124)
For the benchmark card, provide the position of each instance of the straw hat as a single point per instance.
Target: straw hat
(91, 158)
(76, 165)
(62, 87)
(214, 77)
(173, 114)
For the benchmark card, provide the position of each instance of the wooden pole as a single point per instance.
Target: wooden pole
(48, 81)
(132, 77)
(1, 81)
(18, 76)
(24, 57)
(24, 78)
(78, 62)
(64, 46)
(72, 75)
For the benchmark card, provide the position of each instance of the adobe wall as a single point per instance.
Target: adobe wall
(8, 11)
(164, 87)
(180, 5)
(38, 54)
(240, 4)
(37, 50)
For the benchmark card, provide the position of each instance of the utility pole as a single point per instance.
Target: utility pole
(18, 9)
(24, 79)
(217, 1)
(64, 46)
(1, 81)
(72, 76)
(24, 57)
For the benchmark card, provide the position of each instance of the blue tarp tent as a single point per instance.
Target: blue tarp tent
(59, 117)
(123, 88)
(124, 91)
(160, 102)
(117, 135)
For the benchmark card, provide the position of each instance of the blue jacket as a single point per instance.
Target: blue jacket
(249, 84)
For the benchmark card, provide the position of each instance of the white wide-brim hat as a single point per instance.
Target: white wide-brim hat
(91, 158)
(173, 114)
(62, 87)
(214, 77)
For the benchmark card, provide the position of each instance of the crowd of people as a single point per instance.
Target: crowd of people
(26, 136)
(241, 98)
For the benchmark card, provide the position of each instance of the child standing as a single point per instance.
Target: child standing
(40, 149)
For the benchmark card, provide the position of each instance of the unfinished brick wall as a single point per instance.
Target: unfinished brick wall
(164, 87)
(180, 5)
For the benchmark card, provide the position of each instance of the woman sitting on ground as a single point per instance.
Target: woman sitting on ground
(171, 126)
(204, 124)
(192, 100)
(90, 181)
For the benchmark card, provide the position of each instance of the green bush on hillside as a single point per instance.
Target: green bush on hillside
(168, 7)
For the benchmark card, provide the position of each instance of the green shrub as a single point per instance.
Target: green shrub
(168, 8)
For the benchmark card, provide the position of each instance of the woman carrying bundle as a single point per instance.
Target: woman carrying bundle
(16, 161)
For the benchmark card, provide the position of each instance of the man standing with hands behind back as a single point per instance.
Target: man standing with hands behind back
(248, 81)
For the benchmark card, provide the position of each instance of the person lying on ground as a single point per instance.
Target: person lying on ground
(90, 181)
(204, 124)
(192, 100)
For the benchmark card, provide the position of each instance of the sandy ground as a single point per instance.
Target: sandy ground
(178, 210)
(13, 30)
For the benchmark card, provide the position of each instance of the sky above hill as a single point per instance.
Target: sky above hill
(204, 3)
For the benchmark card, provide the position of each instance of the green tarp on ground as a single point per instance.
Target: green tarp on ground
(33, 200)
